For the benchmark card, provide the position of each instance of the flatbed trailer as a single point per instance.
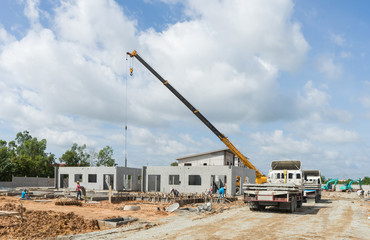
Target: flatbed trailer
(281, 195)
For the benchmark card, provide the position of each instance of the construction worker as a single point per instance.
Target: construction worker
(24, 195)
(175, 192)
(221, 192)
(78, 189)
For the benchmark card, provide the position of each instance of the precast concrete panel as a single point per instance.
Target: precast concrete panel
(197, 173)
(100, 172)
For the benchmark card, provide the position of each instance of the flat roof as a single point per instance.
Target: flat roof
(205, 153)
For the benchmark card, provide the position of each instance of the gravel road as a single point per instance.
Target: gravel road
(337, 216)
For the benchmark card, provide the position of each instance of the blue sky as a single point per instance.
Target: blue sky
(282, 79)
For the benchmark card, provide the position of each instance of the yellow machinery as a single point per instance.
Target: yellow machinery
(260, 178)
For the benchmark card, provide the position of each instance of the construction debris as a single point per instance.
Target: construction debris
(206, 207)
(68, 202)
(173, 207)
(131, 208)
(115, 222)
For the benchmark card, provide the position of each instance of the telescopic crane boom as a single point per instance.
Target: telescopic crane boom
(260, 178)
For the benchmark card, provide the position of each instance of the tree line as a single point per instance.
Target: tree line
(27, 156)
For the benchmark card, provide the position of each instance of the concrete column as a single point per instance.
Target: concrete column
(143, 179)
(56, 177)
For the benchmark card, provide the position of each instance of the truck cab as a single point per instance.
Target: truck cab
(312, 185)
(286, 172)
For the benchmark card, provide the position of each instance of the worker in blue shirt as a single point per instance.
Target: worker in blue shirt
(24, 195)
(221, 192)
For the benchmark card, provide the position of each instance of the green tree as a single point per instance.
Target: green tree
(323, 179)
(76, 156)
(366, 181)
(29, 157)
(175, 164)
(105, 157)
(6, 166)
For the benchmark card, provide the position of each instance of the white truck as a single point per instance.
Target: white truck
(312, 185)
(283, 189)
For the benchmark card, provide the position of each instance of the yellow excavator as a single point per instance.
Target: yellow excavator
(260, 178)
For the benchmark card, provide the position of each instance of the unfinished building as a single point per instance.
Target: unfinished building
(99, 178)
(197, 179)
(199, 173)
(221, 157)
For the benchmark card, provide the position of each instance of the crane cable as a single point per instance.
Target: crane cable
(126, 104)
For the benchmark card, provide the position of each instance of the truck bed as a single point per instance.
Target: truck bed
(273, 187)
(311, 186)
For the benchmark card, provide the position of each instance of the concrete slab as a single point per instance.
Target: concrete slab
(115, 222)
(131, 208)
(173, 207)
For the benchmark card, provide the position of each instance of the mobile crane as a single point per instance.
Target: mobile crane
(260, 178)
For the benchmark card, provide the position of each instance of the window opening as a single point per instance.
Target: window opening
(195, 180)
(174, 180)
(92, 178)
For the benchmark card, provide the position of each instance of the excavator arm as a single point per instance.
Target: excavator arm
(260, 178)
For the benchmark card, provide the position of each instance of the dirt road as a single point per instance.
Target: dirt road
(337, 216)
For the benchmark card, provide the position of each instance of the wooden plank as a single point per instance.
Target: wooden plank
(6, 213)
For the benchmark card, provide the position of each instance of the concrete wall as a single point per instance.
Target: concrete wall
(28, 182)
(104, 177)
(207, 174)
(211, 159)
(129, 178)
(246, 176)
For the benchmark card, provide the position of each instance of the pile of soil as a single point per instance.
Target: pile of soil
(42, 224)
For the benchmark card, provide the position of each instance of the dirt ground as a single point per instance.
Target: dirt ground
(337, 216)
(45, 219)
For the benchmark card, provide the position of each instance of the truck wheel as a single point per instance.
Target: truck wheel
(253, 206)
(299, 204)
(293, 204)
(261, 207)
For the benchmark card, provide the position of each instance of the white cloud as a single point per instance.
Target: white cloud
(67, 78)
(333, 135)
(327, 65)
(344, 54)
(240, 81)
(278, 145)
(365, 101)
(159, 144)
(65, 138)
(31, 11)
(337, 39)
(332, 155)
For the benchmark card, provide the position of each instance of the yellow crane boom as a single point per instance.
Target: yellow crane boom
(260, 178)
